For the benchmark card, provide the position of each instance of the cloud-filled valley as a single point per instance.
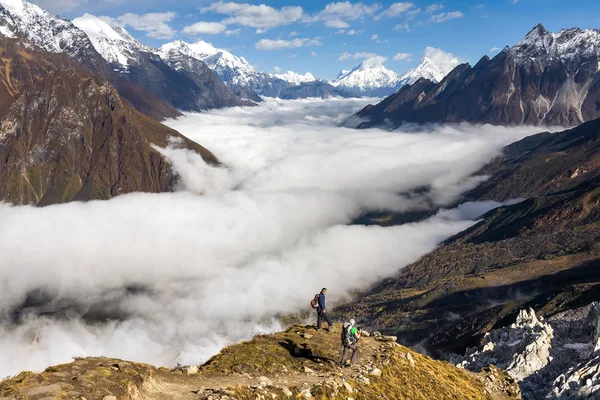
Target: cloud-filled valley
(172, 278)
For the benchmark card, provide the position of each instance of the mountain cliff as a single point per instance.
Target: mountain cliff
(66, 134)
(545, 79)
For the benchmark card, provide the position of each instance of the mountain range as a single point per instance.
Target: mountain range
(371, 78)
(545, 79)
(66, 134)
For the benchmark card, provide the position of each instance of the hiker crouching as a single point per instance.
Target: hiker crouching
(322, 310)
(350, 337)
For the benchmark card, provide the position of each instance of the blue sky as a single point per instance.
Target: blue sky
(324, 37)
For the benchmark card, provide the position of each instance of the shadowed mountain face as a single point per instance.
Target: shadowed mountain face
(66, 134)
(545, 79)
(543, 252)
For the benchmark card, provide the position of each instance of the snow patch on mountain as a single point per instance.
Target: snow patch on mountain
(295, 78)
(113, 43)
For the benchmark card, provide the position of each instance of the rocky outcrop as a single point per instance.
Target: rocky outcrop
(66, 134)
(545, 79)
(284, 365)
(553, 358)
(520, 349)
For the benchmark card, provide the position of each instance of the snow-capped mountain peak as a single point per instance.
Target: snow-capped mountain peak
(43, 29)
(569, 46)
(370, 77)
(114, 43)
(231, 69)
(435, 65)
(295, 78)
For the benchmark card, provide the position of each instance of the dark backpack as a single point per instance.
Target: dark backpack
(346, 335)
(314, 303)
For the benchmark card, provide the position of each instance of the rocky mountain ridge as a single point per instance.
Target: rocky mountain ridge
(296, 363)
(545, 79)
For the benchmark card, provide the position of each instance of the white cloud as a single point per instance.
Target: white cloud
(340, 32)
(403, 56)
(445, 61)
(433, 8)
(345, 56)
(396, 9)
(375, 37)
(204, 28)
(313, 53)
(276, 70)
(443, 17)
(294, 33)
(233, 32)
(336, 23)
(259, 31)
(413, 13)
(402, 27)
(256, 16)
(339, 12)
(154, 24)
(294, 56)
(279, 44)
(177, 276)
(352, 32)
(494, 49)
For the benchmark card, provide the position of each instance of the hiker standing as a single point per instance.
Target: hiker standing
(322, 310)
(350, 338)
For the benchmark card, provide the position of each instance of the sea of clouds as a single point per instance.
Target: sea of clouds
(173, 278)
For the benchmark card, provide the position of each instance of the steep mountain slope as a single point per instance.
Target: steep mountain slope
(547, 78)
(234, 71)
(66, 134)
(192, 89)
(543, 164)
(58, 35)
(297, 363)
(543, 252)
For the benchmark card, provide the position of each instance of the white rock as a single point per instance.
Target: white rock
(191, 370)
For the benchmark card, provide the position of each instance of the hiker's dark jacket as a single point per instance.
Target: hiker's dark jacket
(322, 301)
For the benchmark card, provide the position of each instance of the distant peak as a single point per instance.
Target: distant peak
(537, 31)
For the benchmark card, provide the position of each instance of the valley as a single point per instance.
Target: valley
(173, 193)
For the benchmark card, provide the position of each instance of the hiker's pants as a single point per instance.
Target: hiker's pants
(322, 316)
(347, 348)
